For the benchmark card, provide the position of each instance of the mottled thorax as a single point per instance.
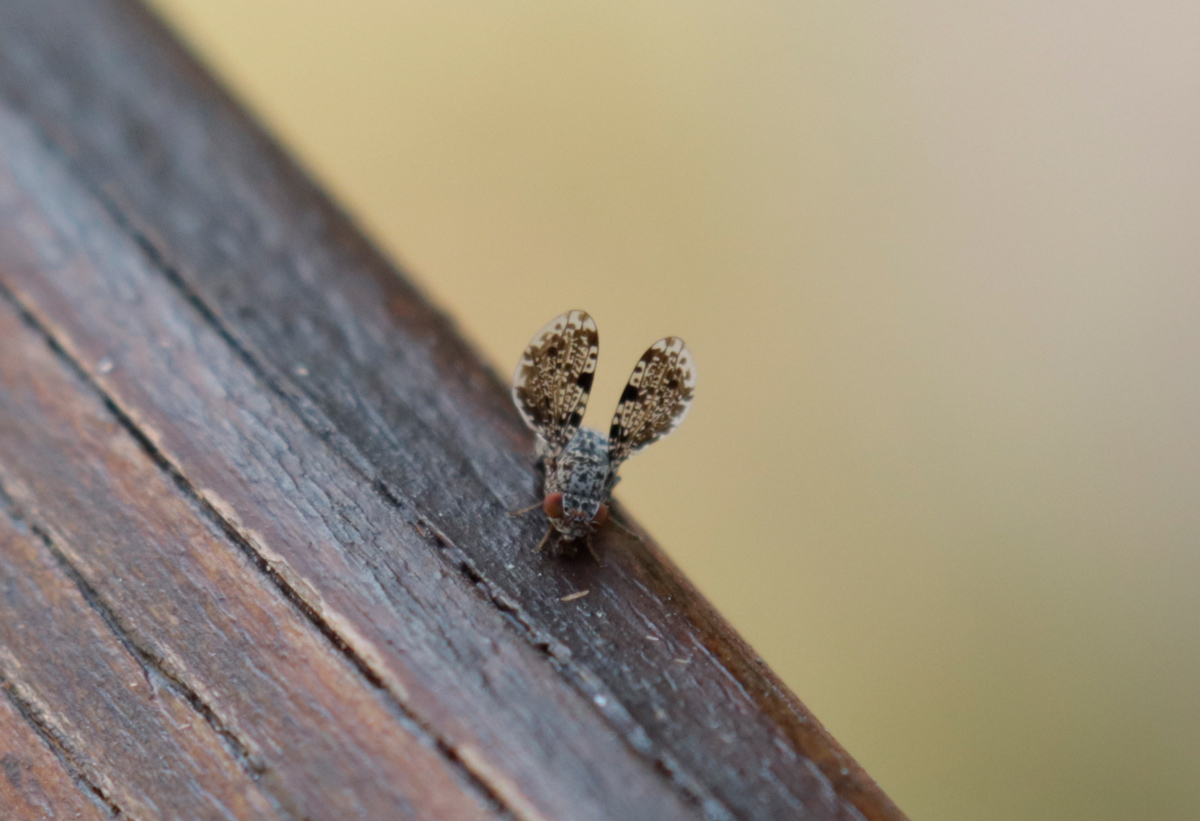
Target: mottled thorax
(581, 473)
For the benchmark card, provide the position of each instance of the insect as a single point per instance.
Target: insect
(551, 389)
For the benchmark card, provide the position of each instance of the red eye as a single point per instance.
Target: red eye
(553, 505)
(601, 515)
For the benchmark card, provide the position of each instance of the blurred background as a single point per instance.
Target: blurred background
(939, 264)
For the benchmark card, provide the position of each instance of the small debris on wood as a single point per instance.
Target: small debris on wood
(574, 596)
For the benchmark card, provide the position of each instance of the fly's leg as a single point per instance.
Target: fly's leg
(587, 541)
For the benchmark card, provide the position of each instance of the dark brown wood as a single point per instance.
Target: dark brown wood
(259, 475)
(200, 626)
(34, 783)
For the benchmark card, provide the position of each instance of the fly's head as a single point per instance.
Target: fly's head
(575, 517)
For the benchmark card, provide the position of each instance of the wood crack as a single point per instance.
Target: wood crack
(153, 669)
(491, 795)
(49, 737)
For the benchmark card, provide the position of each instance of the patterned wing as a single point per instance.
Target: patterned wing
(655, 400)
(554, 378)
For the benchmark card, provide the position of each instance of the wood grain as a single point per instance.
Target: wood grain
(281, 479)
(90, 695)
(35, 782)
(210, 640)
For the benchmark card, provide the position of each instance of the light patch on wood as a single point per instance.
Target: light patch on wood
(307, 593)
(509, 793)
(144, 428)
(366, 651)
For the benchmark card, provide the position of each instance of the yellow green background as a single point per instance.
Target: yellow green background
(939, 264)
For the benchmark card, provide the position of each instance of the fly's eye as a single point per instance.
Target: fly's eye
(553, 505)
(601, 515)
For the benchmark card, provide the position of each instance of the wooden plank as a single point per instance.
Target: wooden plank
(325, 332)
(99, 705)
(376, 585)
(243, 663)
(35, 784)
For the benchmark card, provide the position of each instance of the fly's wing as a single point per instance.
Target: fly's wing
(655, 400)
(554, 378)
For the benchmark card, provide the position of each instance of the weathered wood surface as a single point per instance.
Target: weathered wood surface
(254, 551)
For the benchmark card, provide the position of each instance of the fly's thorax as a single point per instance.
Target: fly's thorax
(581, 475)
(582, 469)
